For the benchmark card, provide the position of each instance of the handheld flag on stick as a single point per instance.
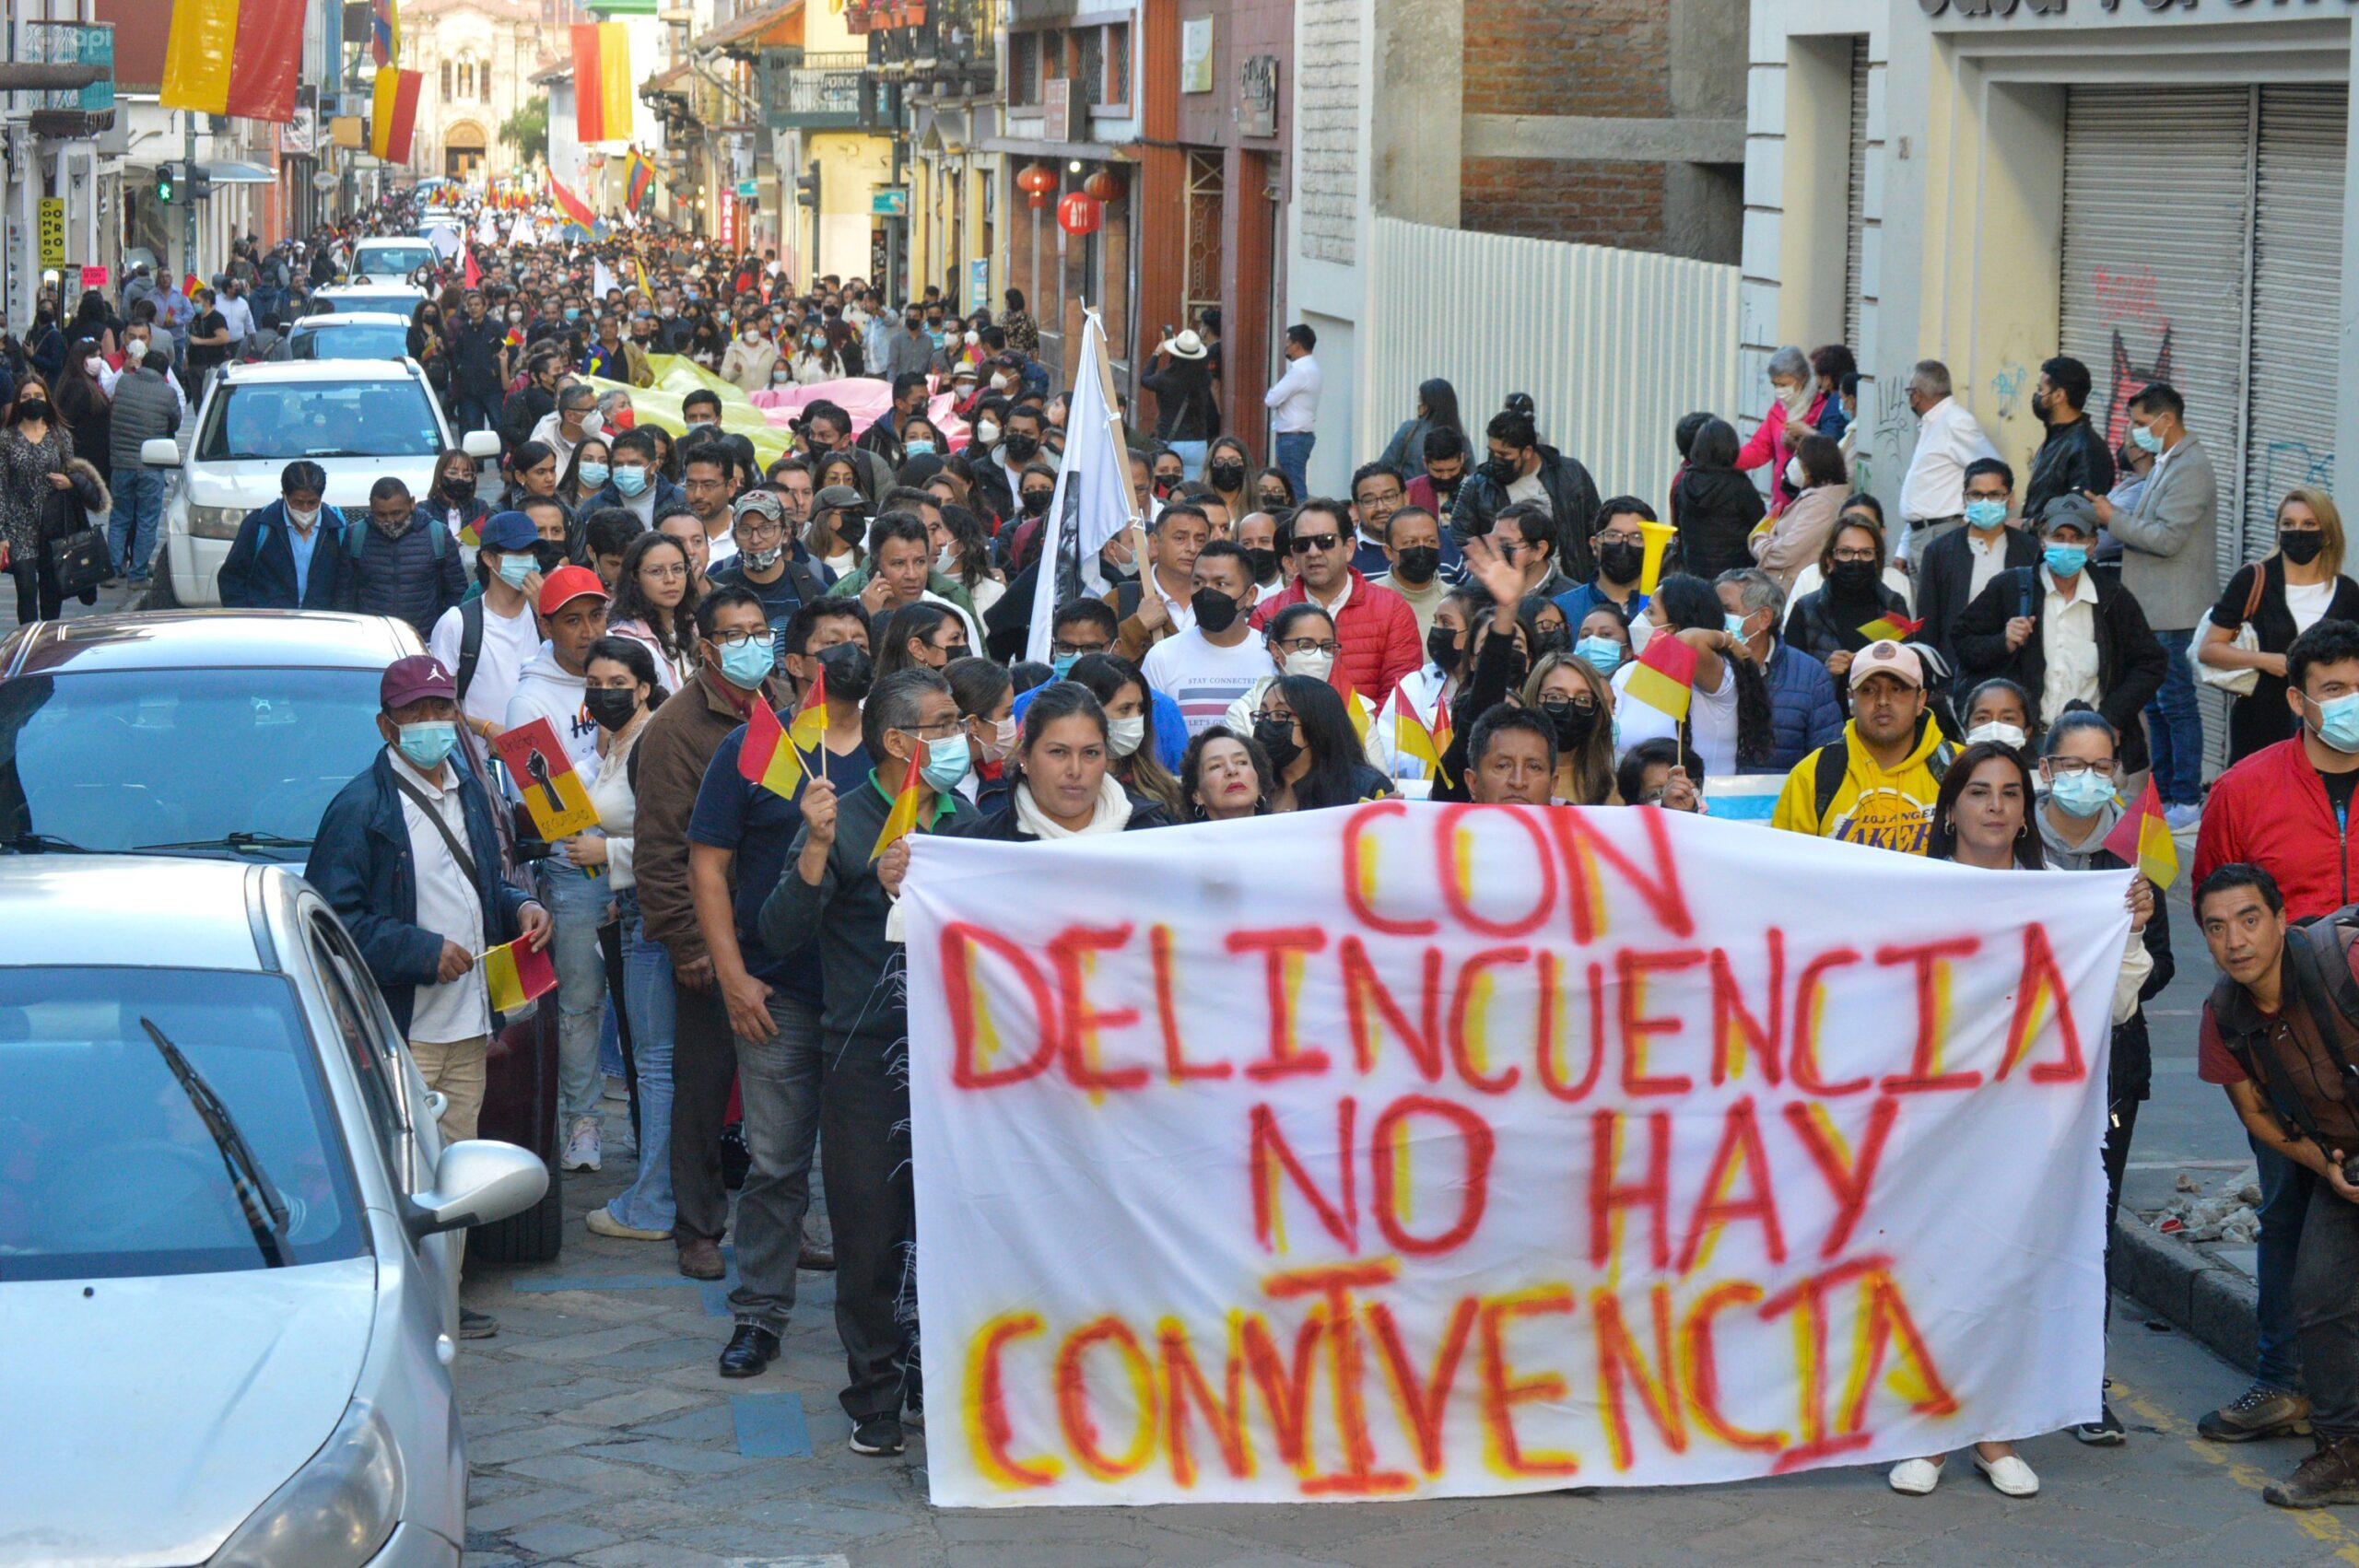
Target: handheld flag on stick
(515, 975)
(810, 726)
(1412, 739)
(1353, 709)
(764, 758)
(1093, 500)
(1664, 677)
(903, 818)
(2142, 839)
(474, 273)
(569, 204)
(544, 780)
(1890, 628)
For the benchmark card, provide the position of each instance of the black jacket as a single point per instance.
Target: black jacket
(2071, 457)
(1822, 628)
(1945, 572)
(1002, 823)
(524, 410)
(2130, 664)
(474, 358)
(1183, 401)
(414, 578)
(1572, 501)
(1714, 510)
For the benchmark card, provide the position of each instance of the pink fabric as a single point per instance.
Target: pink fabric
(863, 397)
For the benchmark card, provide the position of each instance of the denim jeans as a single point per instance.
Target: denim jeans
(864, 1156)
(474, 413)
(1292, 451)
(646, 1204)
(778, 1082)
(1190, 453)
(131, 532)
(2284, 1204)
(577, 902)
(2326, 1314)
(2175, 727)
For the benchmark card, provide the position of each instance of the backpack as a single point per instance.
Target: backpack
(356, 534)
(470, 645)
(1832, 762)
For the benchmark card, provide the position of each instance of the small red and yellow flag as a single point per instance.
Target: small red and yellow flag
(902, 819)
(2142, 839)
(766, 757)
(1353, 709)
(1412, 739)
(810, 726)
(1664, 677)
(1890, 628)
(516, 974)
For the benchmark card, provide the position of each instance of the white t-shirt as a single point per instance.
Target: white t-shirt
(1528, 488)
(1711, 722)
(448, 904)
(2308, 601)
(508, 645)
(718, 547)
(1201, 676)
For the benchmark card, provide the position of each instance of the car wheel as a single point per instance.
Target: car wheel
(532, 1236)
(159, 584)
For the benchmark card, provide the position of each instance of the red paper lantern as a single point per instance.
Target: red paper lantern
(1037, 180)
(1105, 185)
(1078, 214)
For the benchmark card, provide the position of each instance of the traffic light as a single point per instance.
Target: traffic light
(806, 186)
(200, 183)
(168, 180)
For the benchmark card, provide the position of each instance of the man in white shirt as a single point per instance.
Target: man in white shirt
(1932, 494)
(572, 422)
(407, 855)
(1293, 408)
(1216, 659)
(499, 625)
(238, 314)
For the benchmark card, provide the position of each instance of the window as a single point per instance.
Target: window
(1024, 68)
(1118, 64)
(369, 1067)
(1090, 70)
(446, 79)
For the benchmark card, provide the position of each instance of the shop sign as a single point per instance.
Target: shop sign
(52, 231)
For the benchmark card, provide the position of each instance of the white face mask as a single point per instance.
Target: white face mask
(987, 432)
(1797, 398)
(94, 365)
(2004, 734)
(1794, 472)
(1124, 736)
(946, 560)
(1642, 631)
(1310, 661)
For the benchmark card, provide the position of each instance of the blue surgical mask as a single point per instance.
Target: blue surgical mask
(629, 481)
(1061, 664)
(514, 569)
(745, 664)
(1986, 515)
(2339, 723)
(427, 742)
(573, 315)
(946, 763)
(2082, 794)
(920, 448)
(594, 474)
(1602, 652)
(2065, 560)
(1735, 625)
(2147, 440)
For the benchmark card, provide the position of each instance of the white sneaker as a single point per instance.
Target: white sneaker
(1915, 1477)
(2178, 819)
(582, 1150)
(2010, 1475)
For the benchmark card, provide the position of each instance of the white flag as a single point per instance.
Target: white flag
(486, 229)
(601, 278)
(1093, 502)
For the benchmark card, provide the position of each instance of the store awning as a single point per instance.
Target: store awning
(238, 174)
(776, 26)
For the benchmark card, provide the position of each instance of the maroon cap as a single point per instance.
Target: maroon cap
(415, 679)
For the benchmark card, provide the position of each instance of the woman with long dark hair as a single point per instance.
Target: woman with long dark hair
(1065, 782)
(586, 473)
(533, 471)
(1713, 506)
(1315, 756)
(1122, 692)
(34, 451)
(1728, 722)
(1437, 410)
(1229, 469)
(452, 496)
(924, 633)
(83, 405)
(655, 605)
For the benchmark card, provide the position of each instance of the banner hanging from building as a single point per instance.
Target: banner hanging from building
(235, 57)
(1422, 1150)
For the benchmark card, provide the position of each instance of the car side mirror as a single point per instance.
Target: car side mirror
(480, 443)
(161, 452)
(477, 1181)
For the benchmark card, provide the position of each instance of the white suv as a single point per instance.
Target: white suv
(391, 258)
(359, 420)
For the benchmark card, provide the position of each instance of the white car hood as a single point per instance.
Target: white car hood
(255, 483)
(148, 1419)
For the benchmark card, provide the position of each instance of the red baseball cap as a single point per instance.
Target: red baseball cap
(568, 583)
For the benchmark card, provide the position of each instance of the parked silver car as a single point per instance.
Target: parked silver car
(230, 1232)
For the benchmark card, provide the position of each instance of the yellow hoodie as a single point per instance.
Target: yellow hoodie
(1889, 810)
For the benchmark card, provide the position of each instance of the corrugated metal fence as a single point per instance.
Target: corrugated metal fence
(1613, 346)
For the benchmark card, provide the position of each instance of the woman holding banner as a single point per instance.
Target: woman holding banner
(1983, 818)
(1064, 784)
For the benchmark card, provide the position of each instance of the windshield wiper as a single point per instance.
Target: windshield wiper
(238, 840)
(265, 1211)
(39, 843)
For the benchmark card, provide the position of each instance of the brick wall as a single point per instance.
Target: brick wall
(1588, 204)
(1327, 107)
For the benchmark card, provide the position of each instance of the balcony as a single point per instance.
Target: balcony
(939, 46)
(818, 92)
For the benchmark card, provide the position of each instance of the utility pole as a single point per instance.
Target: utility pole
(188, 196)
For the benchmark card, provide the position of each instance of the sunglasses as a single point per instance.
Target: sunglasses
(1306, 543)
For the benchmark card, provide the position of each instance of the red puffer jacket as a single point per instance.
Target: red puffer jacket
(1377, 627)
(2272, 811)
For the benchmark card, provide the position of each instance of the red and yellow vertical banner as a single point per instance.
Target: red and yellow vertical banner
(601, 100)
(394, 114)
(234, 57)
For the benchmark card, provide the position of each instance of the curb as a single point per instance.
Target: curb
(2214, 1303)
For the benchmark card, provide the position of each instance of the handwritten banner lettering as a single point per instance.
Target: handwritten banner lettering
(1424, 1150)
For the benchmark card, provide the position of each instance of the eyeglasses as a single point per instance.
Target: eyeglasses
(1076, 649)
(1616, 536)
(727, 640)
(1855, 555)
(666, 572)
(1311, 645)
(1558, 704)
(2072, 768)
(1304, 544)
(1274, 716)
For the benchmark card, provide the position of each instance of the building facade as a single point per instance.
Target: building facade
(476, 60)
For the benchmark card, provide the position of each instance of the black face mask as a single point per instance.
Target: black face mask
(1851, 579)
(1263, 564)
(2301, 548)
(1272, 502)
(33, 408)
(850, 670)
(1276, 736)
(611, 705)
(1418, 563)
(1551, 639)
(1621, 562)
(1215, 610)
(1020, 446)
(1500, 471)
(1036, 502)
(1225, 476)
(1441, 647)
(1571, 721)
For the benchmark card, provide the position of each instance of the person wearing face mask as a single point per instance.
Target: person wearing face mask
(1214, 662)
(146, 408)
(1300, 641)
(1376, 628)
(488, 640)
(407, 855)
(908, 352)
(2278, 597)
(2000, 711)
(1795, 405)
(635, 481)
(1576, 704)
(1619, 547)
(400, 561)
(1267, 544)
(2073, 454)
(1019, 444)
(2066, 634)
(1429, 690)
(1826, 622)
(1797, 534)
(289, 554)
(1804, 713)
(1414, 541)
(1957, 567)
(1066, 772)
(1521, 470)
(769, 561)
(1316, 761)
(986, 695)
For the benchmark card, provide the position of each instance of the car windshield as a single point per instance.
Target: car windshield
(128, 758)
(368, 340)
(280, 420)
(110, 1171)
(398, 261)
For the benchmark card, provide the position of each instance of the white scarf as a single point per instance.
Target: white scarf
(1112, 814)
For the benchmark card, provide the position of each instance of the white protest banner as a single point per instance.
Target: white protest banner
(1424, 1150)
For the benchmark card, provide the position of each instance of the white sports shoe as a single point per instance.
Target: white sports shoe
(583, 1148)
(1915, 1477)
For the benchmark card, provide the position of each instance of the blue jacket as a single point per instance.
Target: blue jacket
(1803, 713)
(668, 498)
(361, 864)
(259, 572)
